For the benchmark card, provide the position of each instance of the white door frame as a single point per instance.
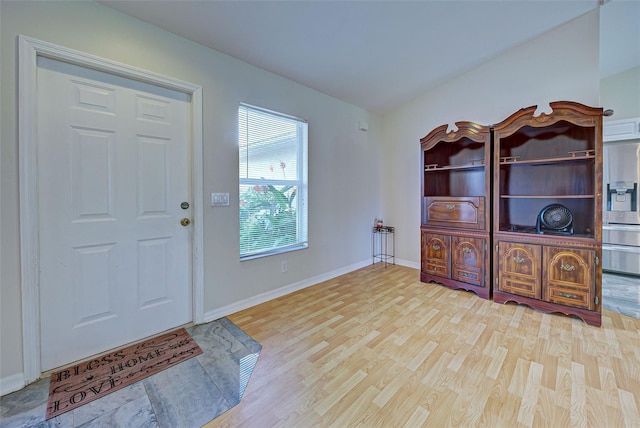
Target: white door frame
(29, 50)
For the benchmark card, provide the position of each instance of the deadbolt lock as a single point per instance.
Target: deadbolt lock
(185, 222)
(184, 205)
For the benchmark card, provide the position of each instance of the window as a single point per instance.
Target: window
(273, 182)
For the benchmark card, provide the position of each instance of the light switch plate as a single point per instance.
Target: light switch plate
(219, 199)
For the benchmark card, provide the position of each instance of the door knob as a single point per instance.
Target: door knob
(185, 222)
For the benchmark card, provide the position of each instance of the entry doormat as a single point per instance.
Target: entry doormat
(92, 379)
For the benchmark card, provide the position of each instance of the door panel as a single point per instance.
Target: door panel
(92, 167)
(569, 276)
(519, 267)
(91, 283)
(113, 169)
(468, 260)
(436, 253)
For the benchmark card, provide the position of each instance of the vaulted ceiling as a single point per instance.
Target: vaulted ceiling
(373, 54)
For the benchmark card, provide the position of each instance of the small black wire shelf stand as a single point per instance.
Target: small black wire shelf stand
(380, 251)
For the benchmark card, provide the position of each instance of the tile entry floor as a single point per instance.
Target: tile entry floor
(197, 390)
(621, 293)
(189, 394)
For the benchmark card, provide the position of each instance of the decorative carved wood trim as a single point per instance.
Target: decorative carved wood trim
(470, 130)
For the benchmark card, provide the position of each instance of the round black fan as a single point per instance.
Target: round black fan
(555, 218)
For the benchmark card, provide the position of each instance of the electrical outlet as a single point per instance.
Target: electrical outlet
(284, 266)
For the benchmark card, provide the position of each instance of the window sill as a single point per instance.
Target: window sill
(268, 253)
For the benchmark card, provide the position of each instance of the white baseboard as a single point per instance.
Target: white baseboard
(11, 383)
(279, 292)
(408, 263)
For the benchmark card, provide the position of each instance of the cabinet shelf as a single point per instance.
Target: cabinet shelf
(513, 231)
(453, 167)
(547, 196)
(507, 161)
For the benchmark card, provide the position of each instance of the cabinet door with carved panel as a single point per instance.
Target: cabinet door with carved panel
(467, 260)
(519, 267)
(435, 252)
(569, 276)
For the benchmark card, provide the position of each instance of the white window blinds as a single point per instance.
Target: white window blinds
(273, 182)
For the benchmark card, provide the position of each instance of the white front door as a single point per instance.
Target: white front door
(113, 170)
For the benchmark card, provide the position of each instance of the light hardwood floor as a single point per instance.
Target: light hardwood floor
(377, 347)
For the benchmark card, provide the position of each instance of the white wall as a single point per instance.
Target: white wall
(559, 65)
(621, 92)
(344, 163)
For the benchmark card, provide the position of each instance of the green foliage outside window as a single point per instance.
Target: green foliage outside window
(267, 218)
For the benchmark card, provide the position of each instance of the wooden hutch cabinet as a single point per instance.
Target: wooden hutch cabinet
(455, 229)
(547, 216)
